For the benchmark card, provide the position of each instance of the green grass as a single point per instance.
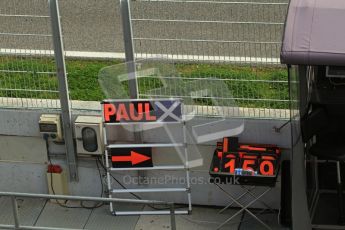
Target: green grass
(83, 80)
(263, 84)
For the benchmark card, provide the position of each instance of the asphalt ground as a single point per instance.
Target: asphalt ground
(173, 27)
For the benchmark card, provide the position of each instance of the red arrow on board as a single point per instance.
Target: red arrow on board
(135, 158)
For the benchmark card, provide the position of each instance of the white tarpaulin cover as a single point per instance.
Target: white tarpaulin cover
(315, 33)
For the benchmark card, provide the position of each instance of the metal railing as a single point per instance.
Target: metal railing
(17, 224)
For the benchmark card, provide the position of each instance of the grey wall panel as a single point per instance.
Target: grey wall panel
(25, 149)
(19, 122)
(25, 123)
(23, 177)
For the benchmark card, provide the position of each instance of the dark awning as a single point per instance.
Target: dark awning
(315, 33)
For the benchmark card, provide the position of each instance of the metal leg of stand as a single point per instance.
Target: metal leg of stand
(247, 191)
(244, 207)
(189, 194)
(316, 193)
(107, 164)
(314, 205)
(340, 196)
(238, 198)
(260, 201)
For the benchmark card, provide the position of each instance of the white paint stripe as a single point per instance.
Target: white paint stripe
(117, 55)
(4, 51)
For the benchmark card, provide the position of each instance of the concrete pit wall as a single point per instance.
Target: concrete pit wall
(23, 160)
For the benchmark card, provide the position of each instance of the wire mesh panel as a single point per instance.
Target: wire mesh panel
(91, 32)
(233, 45)
(207, 84)
(91, 26)
(27, 67)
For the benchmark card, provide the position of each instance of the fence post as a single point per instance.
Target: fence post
(130, 59)
(15, 212)
(172, 217)
(63, 89)
(129, 47)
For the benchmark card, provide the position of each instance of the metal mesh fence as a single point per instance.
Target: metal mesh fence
(237, 32)
(91, 29)
(27, 68)
(236, 43)
(239, 91)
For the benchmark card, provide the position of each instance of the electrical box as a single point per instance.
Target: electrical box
(51, 124)
(89, 135)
